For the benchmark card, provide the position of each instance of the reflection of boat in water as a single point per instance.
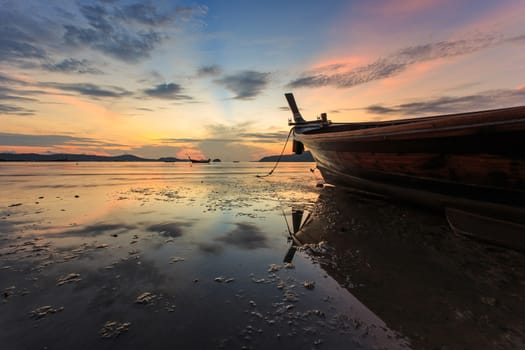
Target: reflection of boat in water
(199, 161)
(405, 265)
(473, 162)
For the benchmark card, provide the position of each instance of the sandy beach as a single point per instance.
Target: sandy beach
(161, 256)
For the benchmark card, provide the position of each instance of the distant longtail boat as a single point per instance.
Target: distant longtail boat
(471, 164)
(199, 161)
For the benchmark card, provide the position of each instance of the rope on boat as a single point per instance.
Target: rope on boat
(280, 156)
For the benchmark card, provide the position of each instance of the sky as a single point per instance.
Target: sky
(171, 78)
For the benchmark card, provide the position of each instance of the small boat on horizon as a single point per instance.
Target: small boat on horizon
(472, 162)
(199, 161)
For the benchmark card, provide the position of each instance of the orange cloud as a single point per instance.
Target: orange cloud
(340, 64)
(191, 152)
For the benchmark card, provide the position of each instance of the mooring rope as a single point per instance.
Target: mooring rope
(280, 156)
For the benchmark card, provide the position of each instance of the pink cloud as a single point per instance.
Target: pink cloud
(405, 7)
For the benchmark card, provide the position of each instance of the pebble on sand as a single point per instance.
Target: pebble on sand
(274, 267)
(145, 298)
(70, 278)
(43, 311)
(113, 329)
(309, 284)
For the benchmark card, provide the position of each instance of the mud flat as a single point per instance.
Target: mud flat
(168, 256)
(441, 290)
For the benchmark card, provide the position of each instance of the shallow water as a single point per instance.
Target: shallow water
(207, 242)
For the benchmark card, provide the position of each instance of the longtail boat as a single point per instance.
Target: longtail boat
(199, 161)
(472, 163)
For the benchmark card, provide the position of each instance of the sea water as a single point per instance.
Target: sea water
(151, 255)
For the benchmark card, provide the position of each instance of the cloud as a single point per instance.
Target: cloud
(245, 236)
(97, 230)
(10, 139)
(170, 91)
(213, 70)
(129, 33)
(142, 13)
(519, 39)
(72, 65)
(170, 229)
(130, 47)
(397, 62)
(15, 43)
(15, 110)
(245, 85)
(13, 94)
(89, 89)
(220, 133)
(265, 137)
(447, 104)
(231, 142)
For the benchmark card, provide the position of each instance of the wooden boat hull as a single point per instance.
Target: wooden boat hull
(471, 161)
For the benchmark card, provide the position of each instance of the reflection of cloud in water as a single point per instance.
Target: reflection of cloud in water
(170, 229)
(213, 248)
(246, 236)
(69, 186)
(98, 229)
(105, 290)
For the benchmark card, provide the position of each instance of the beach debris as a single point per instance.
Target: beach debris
(289, 266)
(321, 248)
(176, 259)
(14, 205)
(260, 280)
(112, 329)
(145, 298)
(169, 240)
(70, 278)
(309, 284)
(7, 292)
(170, 307)
(222, 279)
(43, 311)
(274, 267)
(290, 297)
(102, 245)
(258, 314)
(76, 196)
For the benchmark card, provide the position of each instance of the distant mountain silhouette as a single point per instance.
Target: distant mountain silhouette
(66, 157)
(305, 157)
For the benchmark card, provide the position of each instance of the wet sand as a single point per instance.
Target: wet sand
(441, 290)
(167, 256)
(161, 256)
